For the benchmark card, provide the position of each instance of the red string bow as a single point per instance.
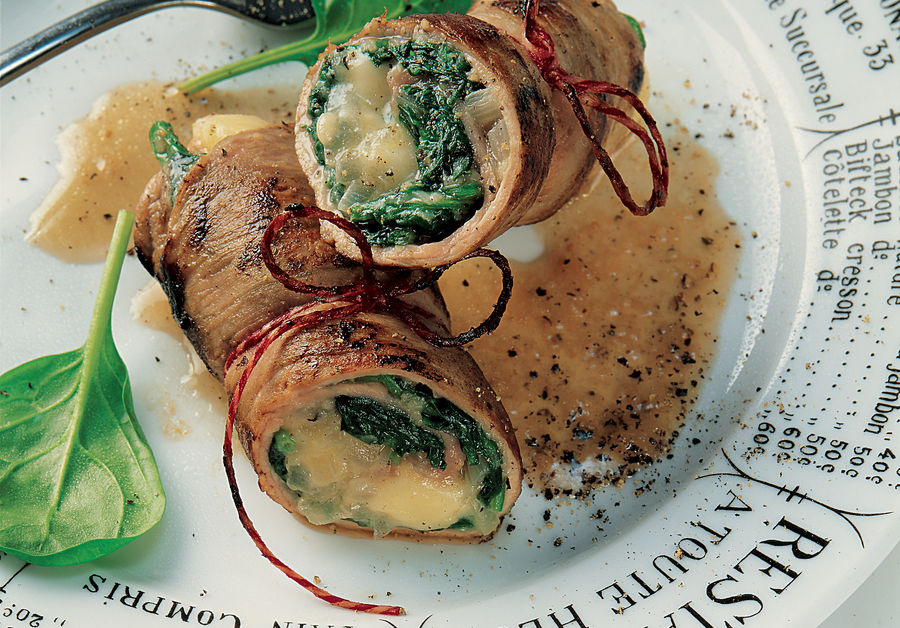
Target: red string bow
(578, 92)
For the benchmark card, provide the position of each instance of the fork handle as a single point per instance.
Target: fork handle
(73, 30)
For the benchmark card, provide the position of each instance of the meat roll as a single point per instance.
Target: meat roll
(437, 133)
(432, 134)
(594, 41)
(355, 424)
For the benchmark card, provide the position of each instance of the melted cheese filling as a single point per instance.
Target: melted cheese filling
(337, 476)
(372, 153)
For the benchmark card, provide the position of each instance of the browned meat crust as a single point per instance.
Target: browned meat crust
(205, 253)
(524, 101)
(593, 41)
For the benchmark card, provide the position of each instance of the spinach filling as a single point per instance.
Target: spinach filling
(376, 423)
(411, 213)
(176, 160)
(444, 416)
(282, 444)
(443, 195)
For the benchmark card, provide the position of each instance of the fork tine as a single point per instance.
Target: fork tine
(30, 53)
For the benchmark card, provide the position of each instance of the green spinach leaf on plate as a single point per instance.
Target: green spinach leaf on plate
(77, 477)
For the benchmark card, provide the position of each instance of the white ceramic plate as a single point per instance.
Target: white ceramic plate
(805, 124)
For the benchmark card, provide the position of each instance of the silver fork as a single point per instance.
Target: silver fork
(30, 53)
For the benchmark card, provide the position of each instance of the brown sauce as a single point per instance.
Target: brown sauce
(609, 332)
(607, 336)
(106, 158)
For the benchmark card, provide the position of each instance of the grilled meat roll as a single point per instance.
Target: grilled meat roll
(356, 424)
(435, 134)
(593, 41)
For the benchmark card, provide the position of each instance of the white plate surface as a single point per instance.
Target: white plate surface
(808, 362)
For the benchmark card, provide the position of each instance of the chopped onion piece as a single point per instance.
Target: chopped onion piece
(498, 146)
(482, 106)
(356, 192)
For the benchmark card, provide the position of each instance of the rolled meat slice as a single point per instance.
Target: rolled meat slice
(432, 134)
(593, 40)
(355, 424)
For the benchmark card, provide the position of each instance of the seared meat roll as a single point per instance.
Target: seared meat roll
(435, 134)
(356, 424)
(593, 41)
(432, 134)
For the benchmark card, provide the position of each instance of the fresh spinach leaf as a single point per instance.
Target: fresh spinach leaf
(636, 27)
(174, 159)
(77, 477)
(336, 22)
